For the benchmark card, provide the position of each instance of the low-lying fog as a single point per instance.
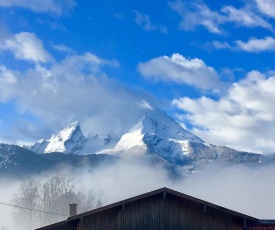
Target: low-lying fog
(249, 190)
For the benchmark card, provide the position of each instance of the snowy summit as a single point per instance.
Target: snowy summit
(69, 140)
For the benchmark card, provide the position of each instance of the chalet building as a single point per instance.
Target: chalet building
(162, 209)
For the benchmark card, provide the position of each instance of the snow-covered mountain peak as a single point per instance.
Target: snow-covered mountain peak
(159, 123)
(68, 140)
(158, 136)
(68, 132)
(155, 130)
(71, 140)
(155, 137)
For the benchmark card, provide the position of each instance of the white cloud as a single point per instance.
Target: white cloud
(26, 46)
(64, 49)
(181, 70)
(267, 7)
(257, 45)
(41, 6)
(144, 21)
(244, 17)
(253, 45)
(196, 13)
(8, 80)
(221, 45)
(75, 88)
(7, 76)
(243, 118)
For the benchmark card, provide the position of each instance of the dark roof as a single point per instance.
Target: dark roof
(54, 225)
(168, 191)
(165, 191)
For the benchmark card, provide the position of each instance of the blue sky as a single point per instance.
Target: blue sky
(208, 64)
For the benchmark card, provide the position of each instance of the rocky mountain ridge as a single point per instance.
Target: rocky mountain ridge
(70, 140)
(21, 162)
(156, 137)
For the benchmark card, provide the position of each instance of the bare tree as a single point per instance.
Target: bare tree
(53, 197)
(28, 197)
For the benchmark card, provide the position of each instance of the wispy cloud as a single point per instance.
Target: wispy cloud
(119, 15)
(64, 49)
(26, 46)
(144, 21)
(197, 13)
(243, 118)
(220, 45)
(244, 17)
(267, 7)
(7, 76)
(75, 88)
(7, 80)
(254, 45)
(57, 7)
(181, 70)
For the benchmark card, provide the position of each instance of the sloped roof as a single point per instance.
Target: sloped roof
(167, 191)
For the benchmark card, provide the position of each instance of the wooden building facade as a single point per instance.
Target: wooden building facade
(163, 209)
